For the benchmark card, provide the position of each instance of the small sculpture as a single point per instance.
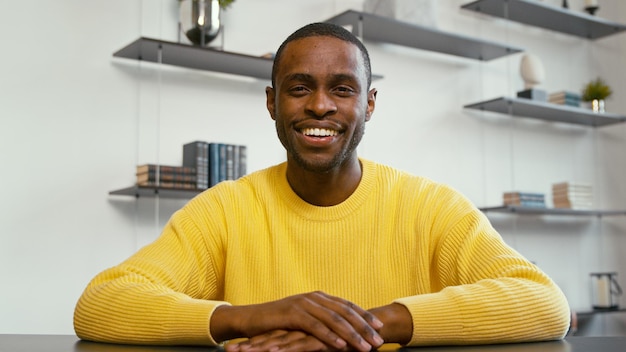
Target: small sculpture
(533, 73)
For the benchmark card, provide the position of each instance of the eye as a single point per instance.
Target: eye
(344, 91)
(298, 90)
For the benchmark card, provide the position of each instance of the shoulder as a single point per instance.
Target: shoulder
(416, 188)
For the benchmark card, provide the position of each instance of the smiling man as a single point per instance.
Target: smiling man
(327, 251)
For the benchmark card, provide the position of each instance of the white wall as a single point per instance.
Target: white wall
(74, 122)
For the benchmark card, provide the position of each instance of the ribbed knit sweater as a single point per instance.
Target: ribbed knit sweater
(397, 238)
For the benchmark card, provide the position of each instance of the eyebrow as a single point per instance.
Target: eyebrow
(338, 77)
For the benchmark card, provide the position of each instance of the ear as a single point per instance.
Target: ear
(270, 101)
(371, 103)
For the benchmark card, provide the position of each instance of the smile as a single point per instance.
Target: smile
(318, 132)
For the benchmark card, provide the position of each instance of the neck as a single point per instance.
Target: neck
(328, 188)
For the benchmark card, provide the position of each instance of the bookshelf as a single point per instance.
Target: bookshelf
(383, 29)
(151, 192)
(201, 58)
(538, 14)
(512, 209)
(520, 107)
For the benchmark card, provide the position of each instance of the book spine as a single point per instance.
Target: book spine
(243, 160)
(222, 164)
(214, 164)
(196, 154)
(166, 176)
(153, 168)
(230, 162)
(236, 162)
(170, 185)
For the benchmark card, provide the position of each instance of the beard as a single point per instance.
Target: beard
(322, 165)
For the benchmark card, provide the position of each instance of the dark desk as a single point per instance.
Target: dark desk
(69, 343)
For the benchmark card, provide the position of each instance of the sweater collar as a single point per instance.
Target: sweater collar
(335, 212)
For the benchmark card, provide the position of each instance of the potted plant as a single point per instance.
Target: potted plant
(595, 92)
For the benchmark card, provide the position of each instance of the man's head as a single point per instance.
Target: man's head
(320, 97)
(327, 30)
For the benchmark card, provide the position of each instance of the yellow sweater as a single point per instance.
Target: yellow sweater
(398, 238)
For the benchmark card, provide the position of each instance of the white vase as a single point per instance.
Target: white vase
(597, 105)
(531, 70)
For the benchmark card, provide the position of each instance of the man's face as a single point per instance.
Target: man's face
(320, 102)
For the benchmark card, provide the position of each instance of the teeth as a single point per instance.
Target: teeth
(319, 132)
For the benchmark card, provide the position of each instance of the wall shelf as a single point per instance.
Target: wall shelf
(152, 192)
(383, 29)
(538, 14)
(547, 111)
(550, 211)
(189, 56)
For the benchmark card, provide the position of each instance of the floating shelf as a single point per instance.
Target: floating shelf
(190, 56)
(151, 192)
(550, 211)
(600, 311)
(547, 111)
(383, 29)
(185, 55)
(538, 14)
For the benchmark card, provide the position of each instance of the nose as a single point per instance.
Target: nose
(321, 103)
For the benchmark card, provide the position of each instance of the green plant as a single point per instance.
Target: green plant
(596, 89)
(225, 3)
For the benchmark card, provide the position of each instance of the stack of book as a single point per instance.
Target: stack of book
(166, 176)
(524, 199)
(215, 162)
(565, 98)
(572, 195)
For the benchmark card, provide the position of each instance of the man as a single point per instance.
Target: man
(327, 251)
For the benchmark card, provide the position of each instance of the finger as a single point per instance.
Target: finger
(351, 322)
(306, 343)
(274, 340)
(259, 342)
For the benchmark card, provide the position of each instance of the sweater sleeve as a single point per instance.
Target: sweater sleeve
(163, 294)
(483, 290)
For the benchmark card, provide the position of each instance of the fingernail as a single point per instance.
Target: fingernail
(341, 343)
(366, 346)
(378, 340)
(377, 323)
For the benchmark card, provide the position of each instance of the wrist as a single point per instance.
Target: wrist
(397, 323)
(225, 323)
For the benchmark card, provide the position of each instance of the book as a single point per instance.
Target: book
(214, 164)
(564, 94)
(572, 205)
(525, 199)
(230, 162)
(166, 176)
(243, 160)
(196, 154)
(165, 169)
(524, 195)
(572, 195)
(572, 186)
(169, 185)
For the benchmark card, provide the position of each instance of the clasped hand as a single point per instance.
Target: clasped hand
(312, 321)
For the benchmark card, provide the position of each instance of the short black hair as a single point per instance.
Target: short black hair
(324, 29)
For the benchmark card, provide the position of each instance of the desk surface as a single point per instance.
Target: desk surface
(69, 343)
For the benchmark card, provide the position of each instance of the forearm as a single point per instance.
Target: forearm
(492, 311)
(138, 313)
